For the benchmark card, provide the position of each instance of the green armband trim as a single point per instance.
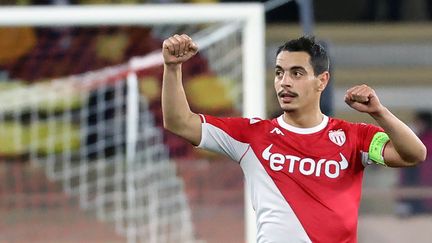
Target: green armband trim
(377, 146)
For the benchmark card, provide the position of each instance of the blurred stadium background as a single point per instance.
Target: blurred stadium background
(65, 123)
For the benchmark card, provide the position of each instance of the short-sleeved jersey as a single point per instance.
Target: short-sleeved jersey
(305, 184)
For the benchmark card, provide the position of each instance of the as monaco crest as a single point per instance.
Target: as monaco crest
(337, 137)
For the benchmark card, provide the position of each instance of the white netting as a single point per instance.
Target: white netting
(83, 144)
(79, 129)
(76, 100)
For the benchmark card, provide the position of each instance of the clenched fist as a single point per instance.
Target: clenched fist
(178, 49)
(364, 99)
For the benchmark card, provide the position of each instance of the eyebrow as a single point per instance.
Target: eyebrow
(292, 68)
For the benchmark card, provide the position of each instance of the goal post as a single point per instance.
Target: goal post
(248, 16)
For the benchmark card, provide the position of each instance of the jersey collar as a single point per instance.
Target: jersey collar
(299, 130)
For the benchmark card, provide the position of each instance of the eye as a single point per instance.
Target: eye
(297, 74)
(278, 73)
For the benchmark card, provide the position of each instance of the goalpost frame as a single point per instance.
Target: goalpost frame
(253, 34)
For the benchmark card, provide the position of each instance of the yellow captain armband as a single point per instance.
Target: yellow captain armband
(377, 146)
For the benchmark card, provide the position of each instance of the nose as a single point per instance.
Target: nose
(286, 81)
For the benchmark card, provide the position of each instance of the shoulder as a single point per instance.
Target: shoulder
(342, 123)
(256, 121)
(347, 124)
(363, 131)
(234, 122)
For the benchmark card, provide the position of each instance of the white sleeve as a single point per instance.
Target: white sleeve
(217, 140)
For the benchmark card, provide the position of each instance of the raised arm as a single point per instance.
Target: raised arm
(177, 116)
(404, 148)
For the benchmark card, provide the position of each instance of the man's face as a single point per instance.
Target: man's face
(296, 85)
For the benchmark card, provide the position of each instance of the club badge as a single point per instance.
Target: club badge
(337, 137)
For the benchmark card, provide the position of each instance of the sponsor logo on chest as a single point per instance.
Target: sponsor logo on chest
(306, 166)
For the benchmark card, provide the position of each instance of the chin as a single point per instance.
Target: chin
(288, 108)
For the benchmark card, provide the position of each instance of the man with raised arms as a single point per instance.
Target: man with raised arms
(303, 169)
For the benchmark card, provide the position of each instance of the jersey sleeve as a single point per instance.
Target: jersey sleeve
(228, 136)
(366, 132)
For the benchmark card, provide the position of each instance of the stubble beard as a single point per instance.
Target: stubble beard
(288, 109)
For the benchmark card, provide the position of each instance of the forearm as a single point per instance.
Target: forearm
(175, 107)
(405, 142)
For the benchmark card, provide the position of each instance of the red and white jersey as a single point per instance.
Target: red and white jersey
(305, 184)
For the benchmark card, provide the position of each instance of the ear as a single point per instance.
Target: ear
(323, 80)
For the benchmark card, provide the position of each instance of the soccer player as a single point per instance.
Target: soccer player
(303, 169)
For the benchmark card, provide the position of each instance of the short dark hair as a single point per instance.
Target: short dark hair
(318, 54)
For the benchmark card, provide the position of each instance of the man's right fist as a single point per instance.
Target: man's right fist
(178, 49)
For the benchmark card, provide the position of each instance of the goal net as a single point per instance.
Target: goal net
(80, 97)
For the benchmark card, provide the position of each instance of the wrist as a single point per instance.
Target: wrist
(173, 66)
(381, 112)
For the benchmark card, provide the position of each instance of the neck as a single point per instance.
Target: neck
(303, 119)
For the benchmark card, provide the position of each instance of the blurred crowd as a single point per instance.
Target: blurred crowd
(369, 10)
(419, 176)
(392, 10)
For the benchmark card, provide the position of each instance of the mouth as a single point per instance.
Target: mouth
(287, 96)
